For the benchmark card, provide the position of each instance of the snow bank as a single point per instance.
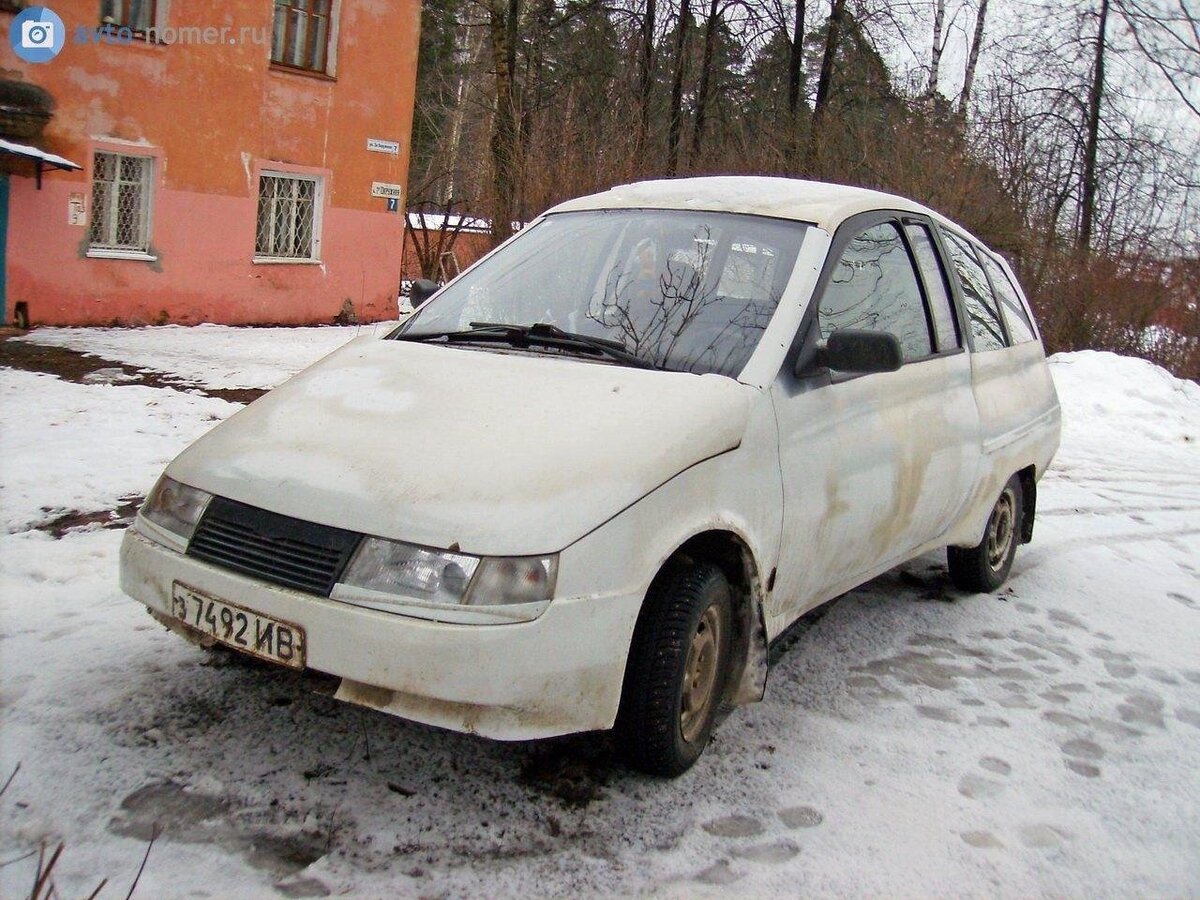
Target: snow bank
(1110, 400)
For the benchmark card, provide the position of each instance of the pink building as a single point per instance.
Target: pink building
(239, 161)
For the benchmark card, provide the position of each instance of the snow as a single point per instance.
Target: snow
(78, 447)
(39, 155)
(439, 222)
(215, 356)
(914, 741)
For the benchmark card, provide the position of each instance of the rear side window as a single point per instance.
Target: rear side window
(936, 287)
(986, 330)
(874, 287)
(1020, 329)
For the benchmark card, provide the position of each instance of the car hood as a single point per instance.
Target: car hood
(497, 453)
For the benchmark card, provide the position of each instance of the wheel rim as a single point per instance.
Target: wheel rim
(700, 674)
(1001, 529)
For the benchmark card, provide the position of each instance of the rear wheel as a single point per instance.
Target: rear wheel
(677, 671)
(985, 567)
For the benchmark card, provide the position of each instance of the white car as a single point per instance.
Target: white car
(588, 482)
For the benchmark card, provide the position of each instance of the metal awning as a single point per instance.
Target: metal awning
(41, 159)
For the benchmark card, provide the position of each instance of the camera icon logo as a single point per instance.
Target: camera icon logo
(37, 34)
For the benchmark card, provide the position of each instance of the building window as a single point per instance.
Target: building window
(301, 34)
(120, 202)
(289, 218)
(135, 14)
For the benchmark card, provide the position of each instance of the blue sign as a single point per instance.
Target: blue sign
(37, 34)
(393, 204)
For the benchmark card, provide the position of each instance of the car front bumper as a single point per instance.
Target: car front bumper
(558, 674)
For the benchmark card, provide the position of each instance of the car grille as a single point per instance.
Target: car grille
(275, 548)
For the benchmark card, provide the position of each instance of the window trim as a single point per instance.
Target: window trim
(320, 178)
(329, 72)
(154, 156)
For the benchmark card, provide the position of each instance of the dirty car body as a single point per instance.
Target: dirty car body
(484, 520)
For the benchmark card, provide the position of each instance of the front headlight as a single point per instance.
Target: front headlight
(447, 586)
(171, 511)
(390, 567)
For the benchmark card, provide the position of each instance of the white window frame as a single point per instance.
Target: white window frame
(110, 249)
(318, 205)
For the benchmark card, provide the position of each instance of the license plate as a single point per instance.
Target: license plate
(241, 629)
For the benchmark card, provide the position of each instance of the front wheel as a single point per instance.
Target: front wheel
(677, 671)
(985, 567)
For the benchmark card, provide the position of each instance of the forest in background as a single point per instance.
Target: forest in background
(1066, 136)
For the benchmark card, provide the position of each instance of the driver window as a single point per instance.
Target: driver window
(874, 287)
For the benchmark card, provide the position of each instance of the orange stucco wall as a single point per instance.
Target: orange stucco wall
(213, 117)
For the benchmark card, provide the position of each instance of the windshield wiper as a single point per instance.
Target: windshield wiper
(542, 334)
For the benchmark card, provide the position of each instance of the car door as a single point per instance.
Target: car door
(873, 466)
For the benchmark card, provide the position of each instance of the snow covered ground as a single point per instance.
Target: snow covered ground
(216, 356)
(914, 741)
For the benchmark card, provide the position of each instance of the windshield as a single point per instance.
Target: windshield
(684, 291)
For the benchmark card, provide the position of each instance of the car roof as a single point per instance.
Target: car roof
(823, 204)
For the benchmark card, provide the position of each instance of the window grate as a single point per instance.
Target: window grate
(287, 217)
(120, 202)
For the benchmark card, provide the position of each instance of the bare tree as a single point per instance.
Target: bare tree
(646, 73)
(833, 35)
(535, 101)
(939, 46)
(675, 125)
(964, 99)
(795, 62)
(1169, 38)
(1087, 205)
(712, 24)
(432, 229)
(503, 23)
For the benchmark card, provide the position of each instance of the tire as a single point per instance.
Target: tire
(984, 567)
(677, 671)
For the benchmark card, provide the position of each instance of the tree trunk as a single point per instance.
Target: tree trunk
(646, 74)
(675, 127)
(537, 20)
(1087, 211)
(503, 18)
(469, 56)
(964, 99)
(710, 40)
(833, 35)
(795, 63)
(939, 44)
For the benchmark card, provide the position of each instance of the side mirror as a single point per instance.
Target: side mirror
(422, 290)
(862, 352)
